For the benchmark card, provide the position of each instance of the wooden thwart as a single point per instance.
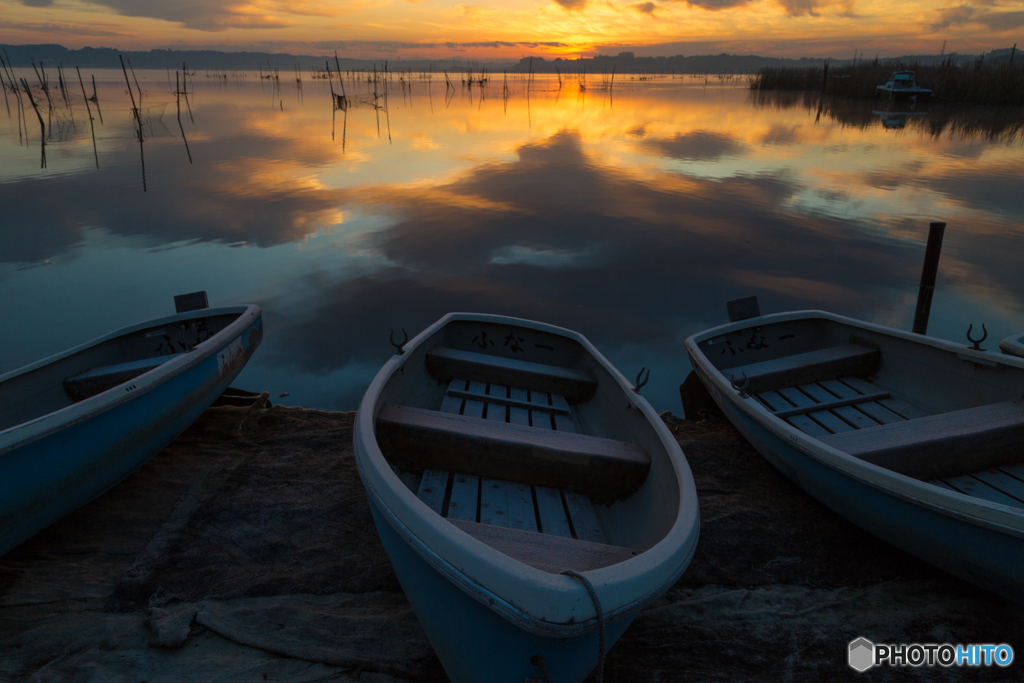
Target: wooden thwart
(546, 552)
(448, 364)
(807, 368)
(944, 445)
(97, 380)
(603, 469)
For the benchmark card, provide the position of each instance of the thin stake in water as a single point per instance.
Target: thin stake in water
(92, 128)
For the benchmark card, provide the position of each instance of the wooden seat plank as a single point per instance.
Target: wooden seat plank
(545, 552)
(521, 513)
(432, 489)
(940, 446)
(791, 396)
(979, 489)
(809, 367)
(552, 512)
(494, 502)
(475, 408)
(517, 415)
(463, 503)
(997, 479)
(97, 380)
(603, 469)
(446, 364)
(825, 418)
(584, 519)
(942, 485)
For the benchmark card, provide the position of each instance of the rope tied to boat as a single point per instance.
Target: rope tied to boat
(538, 660)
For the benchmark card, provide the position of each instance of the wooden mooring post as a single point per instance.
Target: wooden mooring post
(928, 273)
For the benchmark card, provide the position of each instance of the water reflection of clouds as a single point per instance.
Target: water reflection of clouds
(699, 145)
(586, 220)
(661, 256)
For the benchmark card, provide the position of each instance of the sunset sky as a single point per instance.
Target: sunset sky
(510, 29)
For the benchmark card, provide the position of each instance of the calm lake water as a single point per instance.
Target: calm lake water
(630, 216)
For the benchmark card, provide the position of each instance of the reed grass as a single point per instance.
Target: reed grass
(975, 82)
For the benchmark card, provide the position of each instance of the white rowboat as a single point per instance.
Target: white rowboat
(497, 453)
(917, 440)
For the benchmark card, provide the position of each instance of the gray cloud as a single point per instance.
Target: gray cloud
(572, 4)
(696, 146)
(645, 8)
(204, 15)
(715, 5)
(967, 14)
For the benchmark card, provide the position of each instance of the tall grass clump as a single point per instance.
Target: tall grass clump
(975, 82)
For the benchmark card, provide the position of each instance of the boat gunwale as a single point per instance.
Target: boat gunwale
(539, 602)
(42, 426)
(1013, 345)
(1002, 518)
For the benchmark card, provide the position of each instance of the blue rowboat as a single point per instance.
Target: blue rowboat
(531, 502)
(916, 440)
(74, 424)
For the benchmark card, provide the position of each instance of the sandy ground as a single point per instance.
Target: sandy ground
(246, 552)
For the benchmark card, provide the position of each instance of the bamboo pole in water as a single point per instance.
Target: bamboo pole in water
(138, 123)
(89, 111)
(42, 126)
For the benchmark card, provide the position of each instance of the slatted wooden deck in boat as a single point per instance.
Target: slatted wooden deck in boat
(497, 502)
(1003, 485)
(882, 426)
(525, 464)
(836, 406)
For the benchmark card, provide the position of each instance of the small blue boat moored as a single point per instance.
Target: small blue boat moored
(916, 440)
(75, 424)
(902, 85)
(530, 500)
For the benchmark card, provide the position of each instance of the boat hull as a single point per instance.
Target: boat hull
(55, 474)
(488, 611)
(474, 643)
(974, 552)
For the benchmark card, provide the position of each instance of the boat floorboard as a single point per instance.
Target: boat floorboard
(1004, 485)
(470, 498)
(837, 410)
(837, 405)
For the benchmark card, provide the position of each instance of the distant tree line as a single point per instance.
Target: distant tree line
(623, 63)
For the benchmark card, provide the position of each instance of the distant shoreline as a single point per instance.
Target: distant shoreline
(624, 62)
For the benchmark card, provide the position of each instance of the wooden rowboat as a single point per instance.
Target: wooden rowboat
(497, 453)
(74, 424)
(917, 440)
(1013, 345)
